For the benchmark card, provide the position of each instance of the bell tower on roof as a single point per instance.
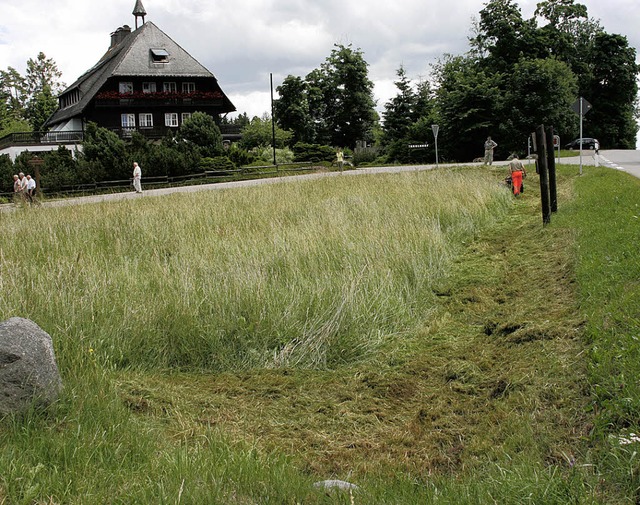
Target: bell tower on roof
(139, 12)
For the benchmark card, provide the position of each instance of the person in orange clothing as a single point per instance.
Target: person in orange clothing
(517, 174)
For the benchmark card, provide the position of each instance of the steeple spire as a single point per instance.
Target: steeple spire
(138, 11)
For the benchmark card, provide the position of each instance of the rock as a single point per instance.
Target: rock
(335, 484)
(28, 372)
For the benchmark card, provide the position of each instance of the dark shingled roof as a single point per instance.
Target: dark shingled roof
(131, 58)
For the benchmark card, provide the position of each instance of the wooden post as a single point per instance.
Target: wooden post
(551, 162)
(36, 162)
(541, 143)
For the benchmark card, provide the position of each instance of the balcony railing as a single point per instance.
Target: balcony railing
(53, 138)
(154, 102)
(157, 132)
(159, 99)
(41, 138)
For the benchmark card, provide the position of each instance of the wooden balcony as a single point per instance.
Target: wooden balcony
(152, 103)
(159, 99)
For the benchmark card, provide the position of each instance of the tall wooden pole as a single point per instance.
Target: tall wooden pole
(541, 143)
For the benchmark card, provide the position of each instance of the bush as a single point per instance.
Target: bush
(264, 155)
(107, 149)
(58, 170)
(313, 152)
(365, 155)
(240, 157)
(201, 130)
(217, 164)
(172, 158)
(6, 174)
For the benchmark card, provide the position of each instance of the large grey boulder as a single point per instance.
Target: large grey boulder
(28, 372)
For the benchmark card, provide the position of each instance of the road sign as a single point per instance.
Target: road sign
(435, 128)
(418, 146)
(581, 106)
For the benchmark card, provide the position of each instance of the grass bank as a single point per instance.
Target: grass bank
(420, 335)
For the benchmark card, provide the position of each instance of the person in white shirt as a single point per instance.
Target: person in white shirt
(31, 187)
(137, 177)
(23, 186)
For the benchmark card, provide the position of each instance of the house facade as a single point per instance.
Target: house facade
(144, 82)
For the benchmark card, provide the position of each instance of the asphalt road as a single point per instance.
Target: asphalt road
(624, 160)
(628, 161)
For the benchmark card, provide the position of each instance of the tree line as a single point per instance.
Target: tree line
(517, 73)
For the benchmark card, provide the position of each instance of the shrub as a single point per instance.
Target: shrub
(240, 157)
(173, 158)
(201, 130)
(264, 155)
(107, 149)
(58, 170)
(365, 155)
(313, 152)
(6, 174)
(217, 164)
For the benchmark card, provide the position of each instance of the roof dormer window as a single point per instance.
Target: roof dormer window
(159, 56)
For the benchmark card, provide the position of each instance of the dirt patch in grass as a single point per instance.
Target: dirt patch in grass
(496, 372)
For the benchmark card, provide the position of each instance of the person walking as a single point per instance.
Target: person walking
(518, 173)
(340, 159)
(31, 188)
(489, 146)
(137, 177)
(23, 185)
(18, 195)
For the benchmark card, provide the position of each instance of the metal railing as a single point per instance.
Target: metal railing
(41, 138)
(76, 137)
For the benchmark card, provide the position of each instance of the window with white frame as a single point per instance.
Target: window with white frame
(185, 116)
(169, 87)
(128, 122)
(125, 87)
(188, 87)
(148, 87)
(145, 120)
(171, 119)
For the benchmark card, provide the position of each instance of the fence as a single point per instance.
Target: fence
(209, 176)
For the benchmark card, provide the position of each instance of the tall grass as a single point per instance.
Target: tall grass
(311, 274)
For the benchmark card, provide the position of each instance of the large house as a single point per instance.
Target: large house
(145, 81)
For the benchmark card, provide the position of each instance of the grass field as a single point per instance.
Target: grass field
(421, 335)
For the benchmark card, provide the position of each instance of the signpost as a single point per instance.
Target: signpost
(556, 144)
(435, 129)
(581, 107)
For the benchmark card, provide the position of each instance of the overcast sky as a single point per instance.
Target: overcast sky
(241, 42)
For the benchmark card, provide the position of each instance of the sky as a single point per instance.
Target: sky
(242, 42)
